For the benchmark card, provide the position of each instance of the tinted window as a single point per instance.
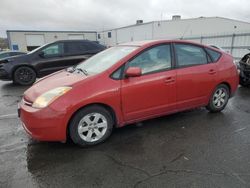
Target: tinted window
(188, 55)
(213, 54)
(75, 48)
(91, 46)
(109, 34)
(53, 50)
(155, 59)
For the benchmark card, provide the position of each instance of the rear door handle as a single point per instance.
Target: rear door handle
(211, 71)
(169, 80)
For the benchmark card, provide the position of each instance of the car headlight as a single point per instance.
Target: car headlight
(46, 98)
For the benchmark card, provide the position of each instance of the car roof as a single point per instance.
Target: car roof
(75, 40)
(154, 42)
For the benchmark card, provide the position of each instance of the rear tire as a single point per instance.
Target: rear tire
(91, 125)
(218, 99)
(24, 76)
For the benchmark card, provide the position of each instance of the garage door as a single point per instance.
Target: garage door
(75, 36)
(34, 41)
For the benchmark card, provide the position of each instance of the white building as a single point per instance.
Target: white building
(29, 40)
(232, 35)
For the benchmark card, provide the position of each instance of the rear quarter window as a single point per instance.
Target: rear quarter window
(215, 56)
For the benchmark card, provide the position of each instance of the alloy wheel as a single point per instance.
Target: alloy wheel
(92, 127)
(220, 97)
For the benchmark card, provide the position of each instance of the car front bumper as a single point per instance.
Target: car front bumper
(43, 124)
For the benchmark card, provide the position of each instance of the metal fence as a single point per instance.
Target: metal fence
(236, 44)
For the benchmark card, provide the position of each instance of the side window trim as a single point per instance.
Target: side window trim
(192, 65)
(173, 56)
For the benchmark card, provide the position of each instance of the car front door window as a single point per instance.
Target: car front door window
(53, 50)
(153, 60)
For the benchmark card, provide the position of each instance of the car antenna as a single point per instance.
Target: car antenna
(185, 31)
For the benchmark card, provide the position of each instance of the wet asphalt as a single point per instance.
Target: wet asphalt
(189, 149)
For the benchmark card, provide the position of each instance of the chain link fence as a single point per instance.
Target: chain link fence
(236, 44)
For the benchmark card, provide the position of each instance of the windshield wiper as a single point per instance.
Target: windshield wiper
(82, 70)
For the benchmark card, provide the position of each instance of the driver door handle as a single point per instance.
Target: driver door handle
(169, 80)
(211, 71)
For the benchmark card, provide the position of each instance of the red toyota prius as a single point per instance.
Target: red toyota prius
(125, 84)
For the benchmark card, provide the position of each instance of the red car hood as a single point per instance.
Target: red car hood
(52, 81)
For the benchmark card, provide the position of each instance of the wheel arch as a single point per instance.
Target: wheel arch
(107, 107)
(22, 65)
(228, 85)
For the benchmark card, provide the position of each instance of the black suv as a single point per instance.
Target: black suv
(24, 69)
(244, 67)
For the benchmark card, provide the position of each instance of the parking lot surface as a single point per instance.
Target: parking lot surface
(188, 149)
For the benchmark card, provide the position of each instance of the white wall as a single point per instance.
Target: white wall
(19, 38)
(121, 35)
(175, 29)
(198, 27)
(134, 33)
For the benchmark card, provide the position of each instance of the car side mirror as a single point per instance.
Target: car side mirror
(41, 54)
(133, 72)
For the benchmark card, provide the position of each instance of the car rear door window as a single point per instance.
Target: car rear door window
(74, 48)
(78, 48)
(189, 55)
(91, 46)
(153, 60)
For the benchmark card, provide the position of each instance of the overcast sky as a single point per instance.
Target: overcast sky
(107, 14)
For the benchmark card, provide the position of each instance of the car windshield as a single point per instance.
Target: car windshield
(105, 59)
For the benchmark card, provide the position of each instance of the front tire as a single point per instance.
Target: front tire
(24, 76)
(218, 99)
(91, 125)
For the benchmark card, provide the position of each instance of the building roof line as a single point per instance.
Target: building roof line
(50, 31)
(182, 19)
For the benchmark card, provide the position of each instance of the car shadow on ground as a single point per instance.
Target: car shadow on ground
(126, 140)
(163, 139)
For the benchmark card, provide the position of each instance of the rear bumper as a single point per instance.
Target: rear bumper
(43, 124)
